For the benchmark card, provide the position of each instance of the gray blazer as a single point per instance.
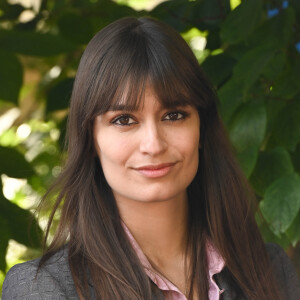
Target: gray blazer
(54, 280)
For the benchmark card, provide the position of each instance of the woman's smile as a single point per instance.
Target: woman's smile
(155, 170)
(150, 154)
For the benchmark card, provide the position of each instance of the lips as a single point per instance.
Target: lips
(155, 171)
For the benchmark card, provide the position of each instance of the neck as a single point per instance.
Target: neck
(159, 227)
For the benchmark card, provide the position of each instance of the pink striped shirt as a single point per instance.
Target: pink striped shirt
(170, 291)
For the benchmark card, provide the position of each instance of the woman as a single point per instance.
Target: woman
(154, 206)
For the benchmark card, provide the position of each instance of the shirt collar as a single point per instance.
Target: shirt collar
(215, 265)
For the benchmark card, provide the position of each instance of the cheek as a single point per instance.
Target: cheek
(190, 142)
(192, 157)
(112, 151)
(190, 148)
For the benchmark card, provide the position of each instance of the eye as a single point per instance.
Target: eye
(175, 116)
(124, 120)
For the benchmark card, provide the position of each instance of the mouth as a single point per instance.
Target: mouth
(155, 171)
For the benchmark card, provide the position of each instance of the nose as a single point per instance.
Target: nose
(153, 140)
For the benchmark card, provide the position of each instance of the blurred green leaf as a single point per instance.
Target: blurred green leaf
(296, 4)
(3, 247)
(14, 163)
(287, 127)
(273, 109)
(248, 126)
(231, 97)
(22, 227)
(281, 202)
(270, 166)
(182, 14)
(286, 86)
(75, 28)
(34, 43)
(62, 137)
(270, 237)
(277, 30)
(211, 12)
(296, 158)
(102, 13)
(247, 132)
(218, 67)
(275, 66)
(59, 95)
(213, 40)
(18, 224)
(10, 11)
(245, 73)
(241, 21)
(293, 231)
(177, 13)
(247, 159)
(251, 65)
(237, 51)
(5, 234)
(11, 76)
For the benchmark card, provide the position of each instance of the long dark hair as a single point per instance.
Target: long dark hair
(117, 64)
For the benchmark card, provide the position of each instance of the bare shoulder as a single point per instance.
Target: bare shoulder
(52, 281)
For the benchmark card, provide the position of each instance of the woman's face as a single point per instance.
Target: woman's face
(150, 154)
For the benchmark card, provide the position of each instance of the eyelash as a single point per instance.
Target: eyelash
(118, 118)
(179, 112)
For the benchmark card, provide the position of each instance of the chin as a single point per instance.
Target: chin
(158, 196)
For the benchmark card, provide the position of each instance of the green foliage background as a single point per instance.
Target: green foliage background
(250, 56)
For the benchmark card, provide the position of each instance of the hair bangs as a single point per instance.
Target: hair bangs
(123, 86)
(129, 94)
(170, 90)
(139, 62)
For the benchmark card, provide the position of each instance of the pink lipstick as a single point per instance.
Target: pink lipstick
(155, 171)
